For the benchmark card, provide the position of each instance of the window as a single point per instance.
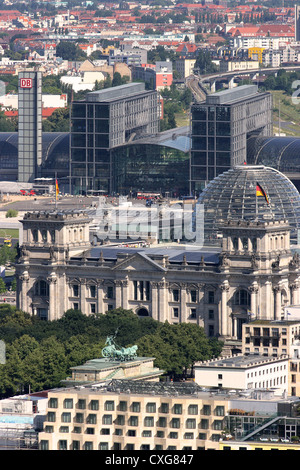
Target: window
(51, 417)
(175, 295)
(94, 405)
(109, 405)
(53, 403)
(110, 292)
(175, 423)
(92, 419)
(41, 288)
(211, 297)
(123, 406)
(149, 421)
(68, 403)
(92, 308)
(106, 419)
(162, 422)
(151, 407)
(190, 423)
(241, 297)
(193, 313)
(62, 445)
(66, 417)
(75, 290)
(177, 409)
(81, 405)
(136, 407)
(133, 421)
(193, 409)
(193, 296)
(164, 408)
(92, 291)
(175, 312)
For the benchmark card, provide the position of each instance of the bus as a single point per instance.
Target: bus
(142, 195)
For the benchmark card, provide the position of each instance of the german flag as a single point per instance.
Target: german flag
(56, 188)
(261, 192)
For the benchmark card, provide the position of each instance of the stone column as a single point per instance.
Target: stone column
(277, 310)
(100, 294)
(253, 291)
(118, 288)
(124, 288)
(154, 300)
(200, 309)
(162, 292)
(183, 317)
(83, 295)
(223, 327)
(294, 290)
(53, 313)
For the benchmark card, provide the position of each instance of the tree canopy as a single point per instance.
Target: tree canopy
(40, 354)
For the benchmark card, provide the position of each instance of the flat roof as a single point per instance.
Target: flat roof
(116, 93)
(241, 361)
(235, 94)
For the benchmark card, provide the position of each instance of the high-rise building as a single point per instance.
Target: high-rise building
(221, 126)
(104, 120)
(30, 126)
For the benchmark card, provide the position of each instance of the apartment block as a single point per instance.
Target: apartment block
(133, 415)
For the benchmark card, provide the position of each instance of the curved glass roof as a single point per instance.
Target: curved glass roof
(282, 153)
(232, 195)
(55, 150)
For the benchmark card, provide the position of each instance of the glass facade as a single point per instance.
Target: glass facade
(29, 126)
(232, 195)
(104, 121)
(90, 142)
(148, 167)
(211, 143)
(221, 127)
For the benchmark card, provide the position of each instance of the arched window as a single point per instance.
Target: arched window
(241, 297)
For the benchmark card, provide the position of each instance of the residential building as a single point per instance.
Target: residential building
(184, 67)
(129, 415)
(235, 64)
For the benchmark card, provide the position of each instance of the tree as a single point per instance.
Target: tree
(3, 287)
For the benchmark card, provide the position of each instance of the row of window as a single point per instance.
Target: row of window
(136, 407)
(133, 421)
(89, 445)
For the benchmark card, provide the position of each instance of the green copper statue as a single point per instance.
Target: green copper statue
(114, 352)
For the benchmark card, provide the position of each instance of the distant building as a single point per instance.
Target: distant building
(297, 23)
(30, 126)
(104, 120)
(221, 126)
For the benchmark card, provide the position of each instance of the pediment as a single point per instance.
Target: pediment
(138, 262)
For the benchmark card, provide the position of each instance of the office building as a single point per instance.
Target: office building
(221, 126)
(107, 119)
(30, 126)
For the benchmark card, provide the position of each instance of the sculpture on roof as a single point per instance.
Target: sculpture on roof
(114, 352)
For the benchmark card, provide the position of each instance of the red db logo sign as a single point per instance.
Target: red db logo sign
(26, 82)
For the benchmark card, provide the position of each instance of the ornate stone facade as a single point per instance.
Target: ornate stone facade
(255, 272)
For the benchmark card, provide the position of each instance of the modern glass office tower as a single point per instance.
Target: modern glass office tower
(221, 126)
(30, 126)
(104, 120)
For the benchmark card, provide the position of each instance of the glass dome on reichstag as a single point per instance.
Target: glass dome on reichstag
(232, 195)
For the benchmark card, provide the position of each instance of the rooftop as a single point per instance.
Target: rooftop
(241, 361)
(231, 95)
(116, 93)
